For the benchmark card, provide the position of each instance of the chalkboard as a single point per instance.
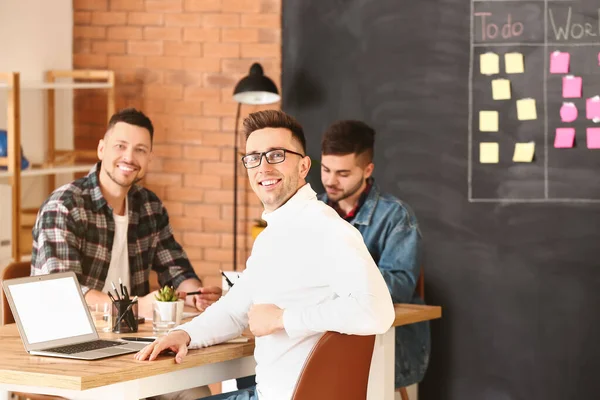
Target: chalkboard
(510, 247)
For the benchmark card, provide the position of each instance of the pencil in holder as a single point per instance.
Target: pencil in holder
(125, 316)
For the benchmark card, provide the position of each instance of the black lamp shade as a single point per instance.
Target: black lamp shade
(256, 88)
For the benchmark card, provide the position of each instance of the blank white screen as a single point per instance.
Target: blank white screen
(50, 310)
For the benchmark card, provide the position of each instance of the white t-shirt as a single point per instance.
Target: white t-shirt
(119, 257)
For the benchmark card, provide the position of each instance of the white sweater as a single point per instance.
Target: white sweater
(315, 266)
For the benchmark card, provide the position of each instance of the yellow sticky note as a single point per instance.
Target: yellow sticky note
(526, 110)
(513, 63)
(489, 63)
(501, 89)
(488, 121)
(524, 152)
(489, 153)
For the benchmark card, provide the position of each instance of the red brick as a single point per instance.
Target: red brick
(154, 106)
(217, 225)
(164, 179)
(217, 168)
(228, 124)
(167, 6)
(188, 137)
(187, 166)
(118, 62)
(221, 20)
(217, 139)
(144, 47)
(109, 18)
(163, 62)
(269, 35)
(108, 47)
(187, 19)
(201, 153)
(270, 6)
(220, 109)
(202, 64)
(144, 19)
(79, 5)
(124, 32)
(156, 189)
(185, 194)
(183, 49)
(178, 107)
(246, 35)
(260, 50)
(184, 78)
(186, 224)
(82, 17)
(201, 93)
(202, 181)
(127, 5)
(201, 34)
(202, 5)
(90, 61)
(200, 210)
(201, 123)
(173, 207)
(168, 150)
(203, 240)
(89, 32)
(220, 80)
(154, 33)
(217, 255)
(261, 20)
(82, 46)
(241, 6)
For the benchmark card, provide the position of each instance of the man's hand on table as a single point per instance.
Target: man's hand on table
(176, 341)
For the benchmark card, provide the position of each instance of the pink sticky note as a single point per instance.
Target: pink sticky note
(592, 108)
(572, 86)
(565, 137)
(593, 138)
(568, 112)
(559, 62)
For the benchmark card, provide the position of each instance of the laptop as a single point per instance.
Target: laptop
(54, 320)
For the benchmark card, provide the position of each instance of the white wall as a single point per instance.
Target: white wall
(35, 36)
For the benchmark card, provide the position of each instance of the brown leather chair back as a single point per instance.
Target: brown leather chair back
(337, 368)
(14, 270)
(421, 285)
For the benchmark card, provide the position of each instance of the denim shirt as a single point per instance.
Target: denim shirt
(390, 231)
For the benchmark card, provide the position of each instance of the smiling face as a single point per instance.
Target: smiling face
(125, 154)
(274, 184)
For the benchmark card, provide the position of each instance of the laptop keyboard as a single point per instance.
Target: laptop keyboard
(86, 346)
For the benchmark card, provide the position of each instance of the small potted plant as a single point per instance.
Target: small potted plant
(168, 309)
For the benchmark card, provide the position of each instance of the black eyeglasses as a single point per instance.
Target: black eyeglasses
(274, 156)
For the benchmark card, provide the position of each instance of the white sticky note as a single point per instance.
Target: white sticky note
(501, 89)
(514, 64)
(488, 121)
(489, 153)
(524, 152)
(489, 63)
(526, 110)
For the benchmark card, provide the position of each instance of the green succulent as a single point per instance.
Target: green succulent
(167, 293)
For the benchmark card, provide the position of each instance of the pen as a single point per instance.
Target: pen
(192, 293)
(122, 288)
(116, 291)
(139, 339)
(226, 279)
(125, 313)
(111, 297)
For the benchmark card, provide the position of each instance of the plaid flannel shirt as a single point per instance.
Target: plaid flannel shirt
(75, 228)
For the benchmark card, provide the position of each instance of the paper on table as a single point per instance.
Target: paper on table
(592, 108)
(513, 62)
(572, 86)
(501, 89)
(593, 138)
(524, 152)
(488, 153)
(565, 137)
(489, 63)
(488, 121)
(559, 62)
(239, 339)
(526, 110)
(568, 112)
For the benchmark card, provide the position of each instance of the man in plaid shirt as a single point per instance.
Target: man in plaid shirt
(105, 227)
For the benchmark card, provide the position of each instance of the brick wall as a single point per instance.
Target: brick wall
(178, 61)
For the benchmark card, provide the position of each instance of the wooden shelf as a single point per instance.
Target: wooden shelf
(51, 170)
(60, 85)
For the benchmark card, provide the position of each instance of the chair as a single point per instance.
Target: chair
(337, 368)
(18, 270)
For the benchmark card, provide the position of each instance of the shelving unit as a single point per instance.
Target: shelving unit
(57, 161)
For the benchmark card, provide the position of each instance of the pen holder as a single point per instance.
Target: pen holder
(124, 316)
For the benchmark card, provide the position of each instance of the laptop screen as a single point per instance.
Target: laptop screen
(50, 309)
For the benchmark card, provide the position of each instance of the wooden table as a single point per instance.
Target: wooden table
(123, 377)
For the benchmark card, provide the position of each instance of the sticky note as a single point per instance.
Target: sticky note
(593, 138)
(488, 121)
(565, 137)
(571, 88)
(568, 112)
(513, 62)
(592, 108)
(524, 152)
(501, 89)
(559, 62)
(526, 110)
(489, 153)
(489, 63)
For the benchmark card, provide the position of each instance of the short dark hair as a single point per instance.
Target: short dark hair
(349, 137)
(132, 116)
(274, 119)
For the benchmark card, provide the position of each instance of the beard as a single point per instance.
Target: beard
(122, 183)
(345, 194)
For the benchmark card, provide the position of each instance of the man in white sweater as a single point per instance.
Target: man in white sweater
(309, 271)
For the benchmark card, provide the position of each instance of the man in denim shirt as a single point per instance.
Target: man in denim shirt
(388, 226)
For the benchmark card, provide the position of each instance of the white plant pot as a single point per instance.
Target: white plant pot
(166, 310)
